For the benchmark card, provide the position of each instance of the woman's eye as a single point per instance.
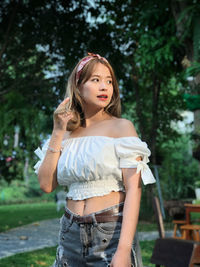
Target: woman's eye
(109, 81)
(95, 80)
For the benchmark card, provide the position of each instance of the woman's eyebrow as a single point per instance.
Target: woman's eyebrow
(96, 75)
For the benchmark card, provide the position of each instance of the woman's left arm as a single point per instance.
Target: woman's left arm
(132, 183)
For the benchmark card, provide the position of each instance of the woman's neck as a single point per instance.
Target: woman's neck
(95, 117)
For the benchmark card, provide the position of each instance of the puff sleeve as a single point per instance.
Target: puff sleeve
(130, 148)
(41, 154)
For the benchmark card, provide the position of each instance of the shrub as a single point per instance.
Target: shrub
(179, 169)
(14, 191)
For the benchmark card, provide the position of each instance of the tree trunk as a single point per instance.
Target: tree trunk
(154, 125)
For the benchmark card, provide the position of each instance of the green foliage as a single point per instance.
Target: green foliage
(196, 37)
(12, 163)
(18, 191)
(33, 188)
(179, 170)
(42, 44)
(193, 70)
(188, 24)
(197, 184)
(149, 67)
(193, 101)
(15, 191)
(39, 46)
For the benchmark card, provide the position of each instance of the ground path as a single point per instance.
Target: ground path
(40, 235)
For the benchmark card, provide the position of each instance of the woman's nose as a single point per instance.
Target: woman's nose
(103, 86)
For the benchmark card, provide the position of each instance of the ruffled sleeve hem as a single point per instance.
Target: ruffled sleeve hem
(41, 154)
(128, 149)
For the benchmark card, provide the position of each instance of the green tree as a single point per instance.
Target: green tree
(146, 54)
(44, 40)
(186, 15)
(41, 43)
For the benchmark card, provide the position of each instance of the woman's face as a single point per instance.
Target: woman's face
(98, 90)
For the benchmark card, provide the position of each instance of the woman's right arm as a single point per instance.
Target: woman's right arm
(47, 174)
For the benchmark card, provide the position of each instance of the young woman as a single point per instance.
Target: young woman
(101, 160)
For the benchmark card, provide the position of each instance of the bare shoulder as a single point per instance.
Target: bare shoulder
(123, 128)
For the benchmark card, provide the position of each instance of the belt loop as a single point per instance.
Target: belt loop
(71, 219)
(71, 216)
(94, 219)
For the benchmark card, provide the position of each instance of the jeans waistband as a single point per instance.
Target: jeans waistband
(111, 214)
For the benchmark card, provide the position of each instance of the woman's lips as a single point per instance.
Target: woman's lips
(103, 97)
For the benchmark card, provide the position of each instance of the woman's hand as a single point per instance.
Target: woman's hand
(121, 259)
(61, 116)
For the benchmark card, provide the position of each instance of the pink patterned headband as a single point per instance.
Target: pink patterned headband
(84, 61)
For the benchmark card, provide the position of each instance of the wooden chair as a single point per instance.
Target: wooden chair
(191, 231)
(173, 252)
(176, 209)
(177, 226)
(159, 219)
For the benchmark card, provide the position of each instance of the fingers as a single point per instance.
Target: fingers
(63, 116)
(67, 115)
(63, 107)
(65, 101)
(60, 110)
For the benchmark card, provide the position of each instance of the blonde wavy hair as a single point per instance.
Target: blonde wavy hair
(76, 102)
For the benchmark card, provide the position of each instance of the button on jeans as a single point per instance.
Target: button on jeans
(89, 244)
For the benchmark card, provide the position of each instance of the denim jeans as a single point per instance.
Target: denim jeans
(89, 244)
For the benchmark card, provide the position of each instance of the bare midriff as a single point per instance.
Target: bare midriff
(93, 204)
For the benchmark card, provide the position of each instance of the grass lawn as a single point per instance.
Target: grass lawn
(147, 248)
(20, 214)
(42, 257)
(144, 226)
(46, 257)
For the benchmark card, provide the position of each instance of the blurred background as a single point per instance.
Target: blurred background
(154, 48)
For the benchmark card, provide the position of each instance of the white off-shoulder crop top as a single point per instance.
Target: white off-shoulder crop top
(91, 165)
